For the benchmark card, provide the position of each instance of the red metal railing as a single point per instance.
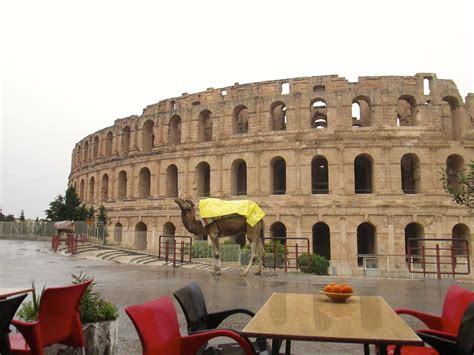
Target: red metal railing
(71, 243)
(429, 256)
(292, 252)
(170, 250)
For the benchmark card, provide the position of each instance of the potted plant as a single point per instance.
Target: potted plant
(99, 321)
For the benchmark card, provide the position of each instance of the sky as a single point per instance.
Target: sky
(70, 68)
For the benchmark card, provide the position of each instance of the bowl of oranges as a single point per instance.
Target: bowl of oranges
(337, 292)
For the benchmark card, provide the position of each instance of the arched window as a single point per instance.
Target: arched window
(278, 230)
(205, 126)
(361, 112)
(413, 233)
(79, 154)
(454, 166)
(407, 111)
(240, 121)
(86, 152)
(175, 130)
(95, 148)
(125, 140)
(118, 233)
(460, 234)
(172, 181)
(411, 174)
(91, 190)
(278, 176)
(108, 144)
(141, 236)
(148, 136)
(322, 240)
(451, 111)
(363, 174)
(366, 243)
(319, 116)
(81, 191)
(203, 171)
(169, 229)
(239, 178)
(319, 176)
(144, 183)
(104, 192)
(278, 113)
(122, 185)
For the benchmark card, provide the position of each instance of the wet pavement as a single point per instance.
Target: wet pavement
(128, 284)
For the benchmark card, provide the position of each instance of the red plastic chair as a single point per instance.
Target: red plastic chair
(58, 322)
(157, 326)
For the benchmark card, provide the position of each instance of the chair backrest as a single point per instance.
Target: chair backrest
(8, 308)
(59, 317)
(194, 307)
(466, 331)
(157, 326)
(455, 303)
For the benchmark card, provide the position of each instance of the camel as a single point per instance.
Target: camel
(227, 226)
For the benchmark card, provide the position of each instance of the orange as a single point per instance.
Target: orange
(347, 289)
(328, 288)
(337, 289)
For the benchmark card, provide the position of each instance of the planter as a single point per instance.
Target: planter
(101, 339)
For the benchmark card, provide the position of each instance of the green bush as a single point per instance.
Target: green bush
(313, 264)
(30, 310)
(201, 249)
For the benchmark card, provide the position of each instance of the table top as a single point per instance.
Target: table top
(12, 291)
(361, 319)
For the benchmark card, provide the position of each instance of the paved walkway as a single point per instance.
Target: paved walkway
(127, 283)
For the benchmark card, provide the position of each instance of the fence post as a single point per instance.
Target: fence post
(182, 251)
(296, 249)
(174, 253)
(438, 266)
(453, 262)
(286, 258)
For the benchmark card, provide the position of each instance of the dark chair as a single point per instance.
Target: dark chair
(157, 326)
(8, 308)
(193, 304)
(58, 322)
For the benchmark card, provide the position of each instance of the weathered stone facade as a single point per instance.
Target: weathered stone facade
(353, 167)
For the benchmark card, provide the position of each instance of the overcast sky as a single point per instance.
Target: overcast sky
(70, 68)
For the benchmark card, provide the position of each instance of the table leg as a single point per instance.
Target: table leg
(287, 347)
(366, 349)
(383, 349)
(276, 344)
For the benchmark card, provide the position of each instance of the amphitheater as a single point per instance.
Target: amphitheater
(354, 167)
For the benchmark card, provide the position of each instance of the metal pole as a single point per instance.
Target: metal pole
(438, 266)
(296, 249)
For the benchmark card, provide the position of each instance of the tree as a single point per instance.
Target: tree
(68, 207)
(90, 212)
(22, 216)
(459, 185)
(102, 217)
(8, 218)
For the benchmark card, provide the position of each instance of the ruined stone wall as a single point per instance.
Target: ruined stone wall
(207, 143)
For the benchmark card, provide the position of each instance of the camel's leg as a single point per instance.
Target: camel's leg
(216, 252)
(260, 255)
(253, 248)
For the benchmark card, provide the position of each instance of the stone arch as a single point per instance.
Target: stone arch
(122, 185)
(79, 155)
(95, 148)
(141, 230)
(175, 130)
(414, 231)
(278, 116)
(454, 115)
(109, 140)
(278, 176)
(239, 177)
(366, 240)
(205, 126)
(104, 191)
(361, 112)
(319, 175)
(85, 156)
(172, 181)
(322, 240)
(363, 174)
(454, 166)
(91, 189)
(406, 111)
(144, 183)
(118, 233)
(148, 136)
(125, 148)
(278, 230)
(318, 113)
(240, 124)
(411, 174)
(81, 190)
(203, 171)
(461, 232)
(169, 229)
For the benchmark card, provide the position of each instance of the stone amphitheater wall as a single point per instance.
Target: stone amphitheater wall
(164, 153)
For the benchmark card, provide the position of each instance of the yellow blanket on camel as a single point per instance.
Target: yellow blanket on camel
(213, 207)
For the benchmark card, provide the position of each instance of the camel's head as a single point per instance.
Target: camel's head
(185, 205)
